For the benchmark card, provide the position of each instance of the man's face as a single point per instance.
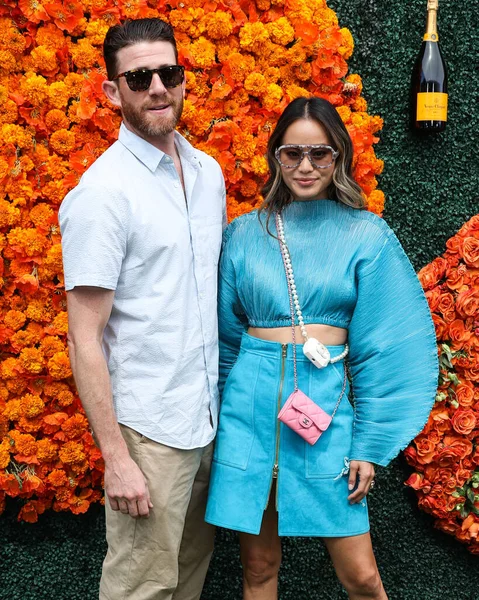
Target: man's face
(154, 113)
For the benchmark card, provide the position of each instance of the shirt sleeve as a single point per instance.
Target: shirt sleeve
(393, 356)
(93, 223)
(231, 316)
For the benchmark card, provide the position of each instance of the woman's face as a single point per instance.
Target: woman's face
(305, 181)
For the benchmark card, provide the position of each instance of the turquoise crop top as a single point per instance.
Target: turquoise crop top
(350, 272)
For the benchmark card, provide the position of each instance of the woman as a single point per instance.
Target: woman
(349, 285)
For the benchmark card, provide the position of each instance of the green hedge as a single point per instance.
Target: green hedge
(432, 189)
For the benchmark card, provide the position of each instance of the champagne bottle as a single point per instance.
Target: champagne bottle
(429, 80)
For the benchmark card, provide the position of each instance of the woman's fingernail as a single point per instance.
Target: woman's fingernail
(350, 486)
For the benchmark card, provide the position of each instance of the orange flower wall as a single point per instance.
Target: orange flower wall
(245, 61)
(445, 455)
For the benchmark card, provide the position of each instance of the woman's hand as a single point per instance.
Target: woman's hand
(362, 474)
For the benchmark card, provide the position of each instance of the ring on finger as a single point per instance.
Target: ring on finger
(372, 484)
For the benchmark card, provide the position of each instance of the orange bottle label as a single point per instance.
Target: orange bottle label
(431, 106)
(431, 37)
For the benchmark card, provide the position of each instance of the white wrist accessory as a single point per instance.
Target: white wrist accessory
(313, 349)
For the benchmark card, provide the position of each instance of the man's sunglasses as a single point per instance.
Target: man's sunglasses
(139, 80)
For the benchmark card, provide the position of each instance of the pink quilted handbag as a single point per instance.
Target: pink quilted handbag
(304, 417)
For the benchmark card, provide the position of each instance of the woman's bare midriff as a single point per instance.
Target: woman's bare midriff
(326, 334)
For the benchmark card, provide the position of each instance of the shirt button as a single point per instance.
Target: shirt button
(176, 184)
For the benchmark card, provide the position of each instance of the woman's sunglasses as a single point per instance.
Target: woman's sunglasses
(139, 80)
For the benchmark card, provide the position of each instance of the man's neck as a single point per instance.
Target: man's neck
(165, 143)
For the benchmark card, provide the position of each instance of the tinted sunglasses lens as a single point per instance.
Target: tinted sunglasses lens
(139, 81)
(171, 76)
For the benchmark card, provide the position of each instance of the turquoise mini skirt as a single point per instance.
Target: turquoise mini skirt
(252, 447)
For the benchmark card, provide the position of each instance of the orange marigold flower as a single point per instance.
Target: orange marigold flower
(41, 216)
(53, 389)
(32, 360)
(50, 36)
(4, 454)
(51, 344)
(188, 20)
(219, 24)
(272, 97)
(360, 104)
(8, 61)
(58, 94)
(244, 146)
(47, 451)
(56, 119)
(344, 113)
(231, 108)
(226, 47)
(59, 326)
(25, 443)
(238, 66)
(255, 84)
(14, 319)
(27, 242)
(9, 214)
(347, 46)
(15, 134)
(296, 91)
(65, 398)
(259, 165)
(95, 31)
(62, 141)
(59, 366)
(249, 188)
(72, 453)
(10, 368)
(57, 478)
(74, 83)
(8, 111)
(75, 426)
(44, 59)
(30, 425)
(251, 35)
(203, 53)
(31, 406)
(34, 87)
(84, 55)
(17, 385)
(54, 191)
(12, 410)
(280, 31)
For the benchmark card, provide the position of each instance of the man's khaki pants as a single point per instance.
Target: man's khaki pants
(165, 556)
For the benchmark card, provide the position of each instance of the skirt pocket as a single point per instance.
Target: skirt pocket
(235, 436)
(326, 458)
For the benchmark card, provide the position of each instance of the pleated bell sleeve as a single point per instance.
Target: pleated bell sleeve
(232, 321)
(393, 354)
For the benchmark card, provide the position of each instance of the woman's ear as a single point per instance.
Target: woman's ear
(112, 92)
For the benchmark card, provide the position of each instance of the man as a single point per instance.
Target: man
(141, 240)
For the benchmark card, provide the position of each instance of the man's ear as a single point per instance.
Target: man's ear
(112, 92)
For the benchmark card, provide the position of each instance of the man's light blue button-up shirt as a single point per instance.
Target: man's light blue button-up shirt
(128, 227)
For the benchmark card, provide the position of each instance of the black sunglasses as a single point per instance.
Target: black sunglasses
(139, 80)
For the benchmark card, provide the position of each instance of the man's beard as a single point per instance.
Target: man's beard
(150, 127)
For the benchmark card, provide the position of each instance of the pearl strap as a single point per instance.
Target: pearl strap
(292, 288)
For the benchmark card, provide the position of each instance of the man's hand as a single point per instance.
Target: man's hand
(362, 474)
(126, 488)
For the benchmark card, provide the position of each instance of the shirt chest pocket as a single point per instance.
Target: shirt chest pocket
(208, 233)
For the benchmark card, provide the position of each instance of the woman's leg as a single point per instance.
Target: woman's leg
(355, 566)
(261, 557)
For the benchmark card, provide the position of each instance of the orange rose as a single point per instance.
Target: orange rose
(464, 421)
(467, 302)
(441, 327)
(470, 252)
(433, 297)
(458, 334)
(454, 448)
(426, 450)
(465, 393)
(454, 244)
(415, 481)
(431, 274)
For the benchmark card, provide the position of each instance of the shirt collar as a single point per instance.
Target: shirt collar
(151, 156)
